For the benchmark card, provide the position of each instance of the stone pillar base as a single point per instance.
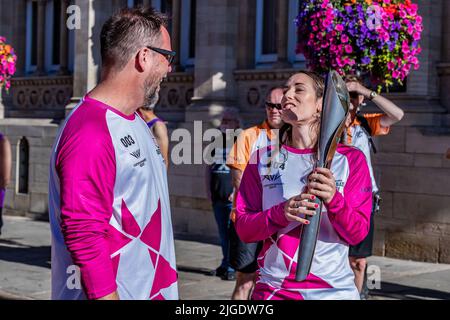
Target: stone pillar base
(209, 111)
(74, 101)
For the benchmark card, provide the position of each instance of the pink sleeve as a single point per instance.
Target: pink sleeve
(350, 214)
(252, 223)
(86, 169)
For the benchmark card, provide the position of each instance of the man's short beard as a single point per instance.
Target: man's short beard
(151, 96)
(152, 101)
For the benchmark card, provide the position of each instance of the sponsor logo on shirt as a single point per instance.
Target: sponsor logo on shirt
(140, 163)
(272, 177)
(136, 154)
(220, 168)
(339, 183)
(129, 141)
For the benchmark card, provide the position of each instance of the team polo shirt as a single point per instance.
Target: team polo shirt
(249, 141)
(357, 136)
(268, 182)
(109, 209)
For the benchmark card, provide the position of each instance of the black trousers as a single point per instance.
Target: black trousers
(364, 249)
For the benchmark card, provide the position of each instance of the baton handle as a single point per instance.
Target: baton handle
(308, 240)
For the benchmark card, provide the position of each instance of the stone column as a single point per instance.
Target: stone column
(63, 39)
(176, 24)
(40, 68)
(87, 52)
(215, 60)
(247, 30)
(282, 35)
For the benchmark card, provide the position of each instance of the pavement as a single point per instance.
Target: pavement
(25, 269)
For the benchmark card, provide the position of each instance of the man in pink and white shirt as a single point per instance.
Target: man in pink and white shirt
(109, 207)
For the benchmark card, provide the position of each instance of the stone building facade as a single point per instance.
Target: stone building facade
(231, 52)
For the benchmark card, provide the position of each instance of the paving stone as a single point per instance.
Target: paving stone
(25, 269)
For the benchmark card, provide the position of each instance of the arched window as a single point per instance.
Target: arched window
(23, 159)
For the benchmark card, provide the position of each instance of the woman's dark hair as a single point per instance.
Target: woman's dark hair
(319, 86)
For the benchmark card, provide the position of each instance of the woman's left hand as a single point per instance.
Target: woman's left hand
(321, 183)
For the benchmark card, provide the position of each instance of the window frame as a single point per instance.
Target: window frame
(185, 39)
(49, 41)
(261, 59)
(49, 67)
(294, 58)
(267, 60)
(29, 68)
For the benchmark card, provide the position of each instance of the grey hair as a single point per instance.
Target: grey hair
(126, 32)
(152, 104)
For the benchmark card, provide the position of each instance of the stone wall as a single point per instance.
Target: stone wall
(40, 135)
(413, 173)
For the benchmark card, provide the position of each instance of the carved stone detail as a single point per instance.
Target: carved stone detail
(39, 97)
(176, 92)
(253, 86)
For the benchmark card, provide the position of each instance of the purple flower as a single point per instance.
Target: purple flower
(366, 60)
(395, 36)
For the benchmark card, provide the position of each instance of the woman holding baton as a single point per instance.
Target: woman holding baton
(276, 195)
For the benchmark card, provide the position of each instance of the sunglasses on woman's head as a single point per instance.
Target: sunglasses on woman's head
(273, 105)
(169, 55)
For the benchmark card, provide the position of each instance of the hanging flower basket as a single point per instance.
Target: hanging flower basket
(379, 38)
(7, 64)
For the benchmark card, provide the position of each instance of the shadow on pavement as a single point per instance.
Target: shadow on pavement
(397, 291)
(35, 256)
(204, 271)
(12, 242)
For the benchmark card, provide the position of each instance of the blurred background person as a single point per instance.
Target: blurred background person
(5, 171)
(157, 126)
(220, 190)
(243, 255)
(360, 130)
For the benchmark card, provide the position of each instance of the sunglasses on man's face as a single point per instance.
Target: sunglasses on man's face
(169, 55)
(270, 105)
